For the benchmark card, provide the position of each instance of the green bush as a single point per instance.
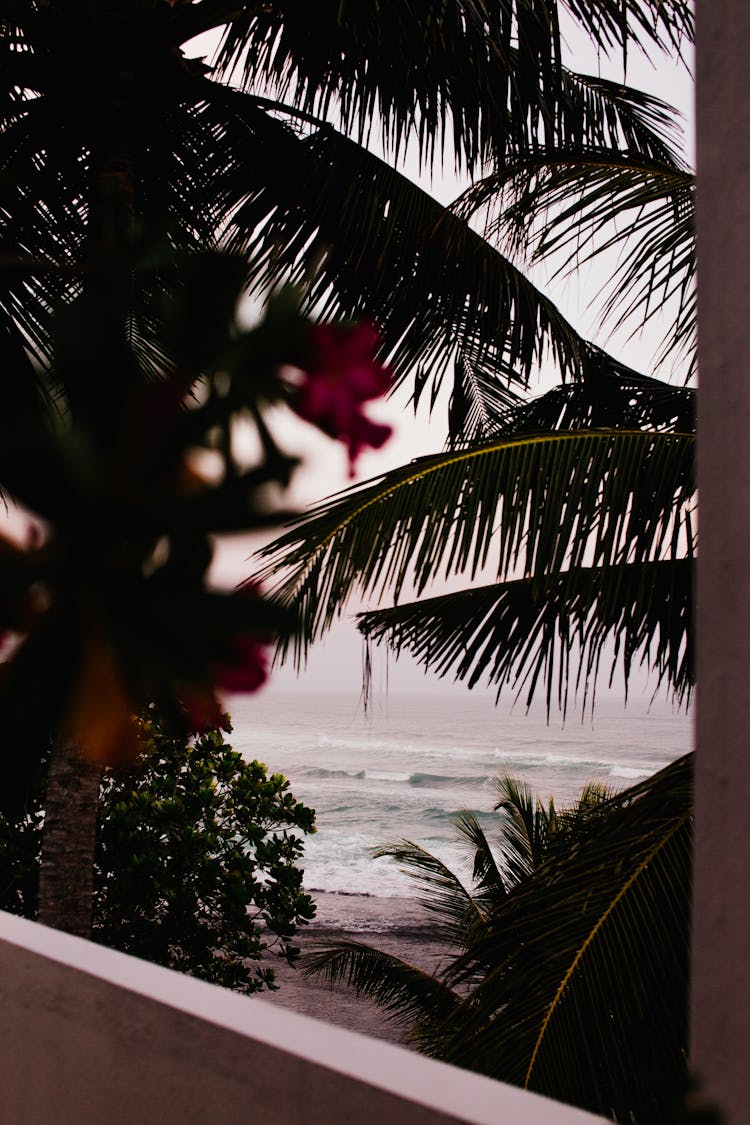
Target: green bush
(20, 851)
(196, 861)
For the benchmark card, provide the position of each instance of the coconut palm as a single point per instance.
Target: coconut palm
(527, 833)
(575, 505)
(108, 123)
(506, 501)
(570, 965)
(110, 128)
(578, 508)
(571, 979)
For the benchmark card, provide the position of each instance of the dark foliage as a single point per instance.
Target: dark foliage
(570, 973)
(197, 861)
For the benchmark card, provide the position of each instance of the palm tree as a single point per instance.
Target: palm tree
(570, 965)
(577, 505)
(109, 132)
(108, 124)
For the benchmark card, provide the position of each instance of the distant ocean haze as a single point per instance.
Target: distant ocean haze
(407, 767)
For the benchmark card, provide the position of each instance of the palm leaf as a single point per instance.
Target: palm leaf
(620, 23)
(525, 828)
(480, 403)
(578, 203)
(536, 504)
(416, 1000)
(41, 233)
(597, 113)
(489, 880)
(306, 201)
(46, 164)
(441, 893)
(49, 154)
(482, 304)
(551, 632)
(586, 1000)
(609, 396)
(575, 985)
(489, 79)
(376, 244)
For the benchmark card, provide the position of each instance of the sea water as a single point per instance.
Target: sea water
(407, 766)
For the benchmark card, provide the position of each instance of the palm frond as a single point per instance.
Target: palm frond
(598, 113)
(49, 155)
(489, 80)
(610, 395)
(489, 882)
(533, 831)
(480, 403)
(577, 204)
(441, 893)
(552, 632)
(593, 794)
(614, 24)
(297, 189)
(586, 997)
(48, 159)
(524, 833)
(363, 239)
(415, 999)
(576, 983)
(41, 227)
(342, 54)
(22, 382)
(536, 504)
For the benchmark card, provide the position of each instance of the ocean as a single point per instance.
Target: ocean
(405, 768)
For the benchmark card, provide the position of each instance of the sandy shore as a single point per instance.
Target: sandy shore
(396, 925)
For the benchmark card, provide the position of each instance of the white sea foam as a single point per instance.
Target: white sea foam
(385, 775)
(406, 773)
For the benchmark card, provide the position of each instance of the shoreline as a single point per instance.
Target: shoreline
(396, 925)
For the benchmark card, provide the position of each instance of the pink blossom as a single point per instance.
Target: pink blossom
(249, 671)
(341, 375)
(245, 672)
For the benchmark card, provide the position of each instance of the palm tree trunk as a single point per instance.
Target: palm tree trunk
(113, 194)
(66, 878)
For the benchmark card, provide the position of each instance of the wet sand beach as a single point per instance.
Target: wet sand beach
(395, 925)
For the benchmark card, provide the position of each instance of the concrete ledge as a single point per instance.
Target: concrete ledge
(93, 1036)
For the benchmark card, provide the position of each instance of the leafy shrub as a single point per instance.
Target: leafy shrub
(196, 860)
(20, 851)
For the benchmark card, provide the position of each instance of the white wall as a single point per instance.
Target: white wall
(721, 966)
(92, 1036)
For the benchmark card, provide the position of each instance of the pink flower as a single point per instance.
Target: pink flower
(244, 670)
(246, 673)
(341, 375)
(249, 671)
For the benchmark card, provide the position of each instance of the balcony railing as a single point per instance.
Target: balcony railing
(93, 1036)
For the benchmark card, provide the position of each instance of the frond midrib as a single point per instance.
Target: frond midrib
(600, 922)
(468, 455)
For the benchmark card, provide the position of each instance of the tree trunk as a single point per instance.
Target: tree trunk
(66, 878)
